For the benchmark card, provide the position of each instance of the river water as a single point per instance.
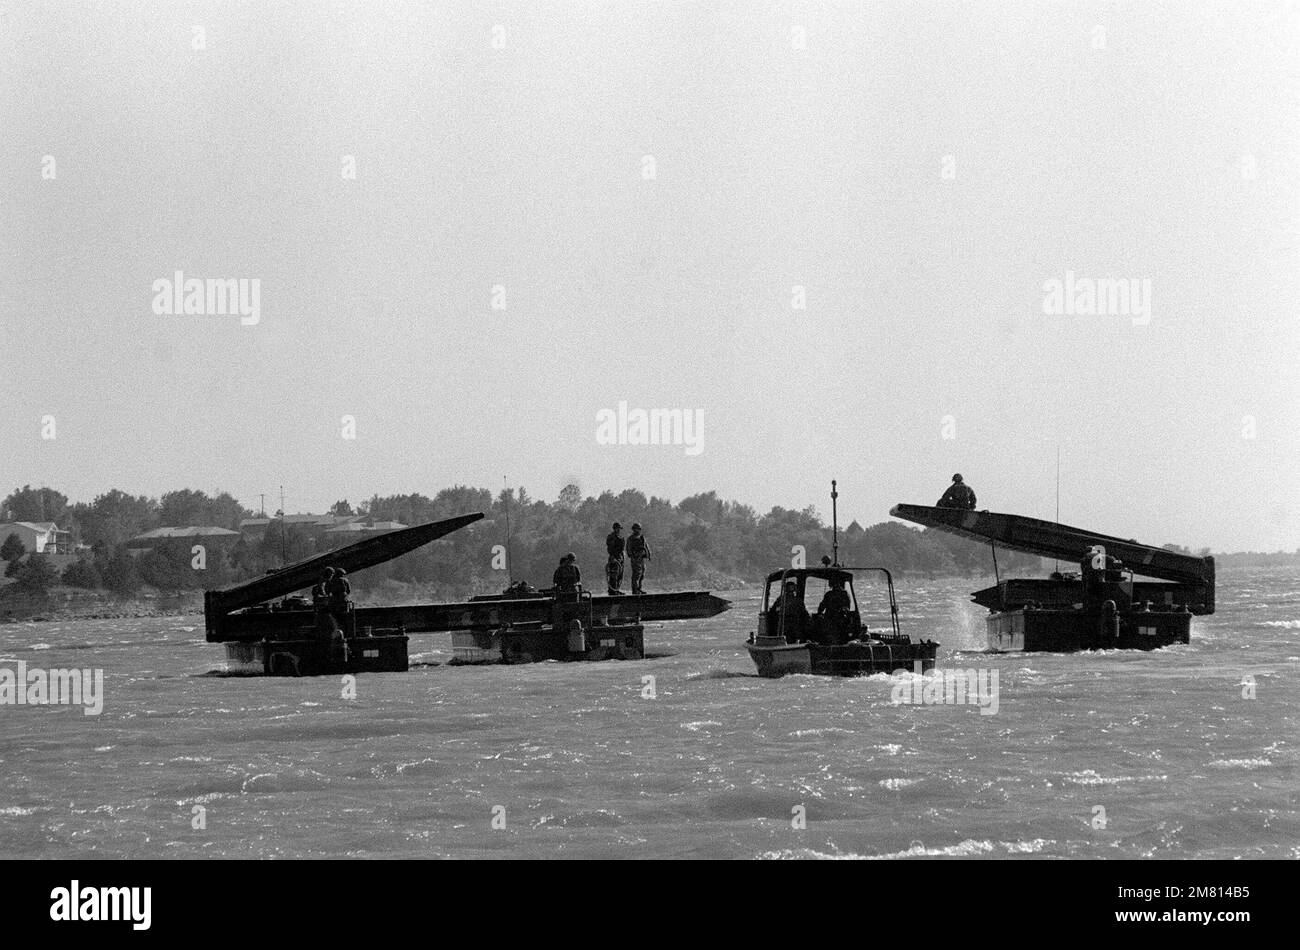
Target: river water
(1111, 754)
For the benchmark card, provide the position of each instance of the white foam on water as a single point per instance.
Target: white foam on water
(967, 848)
(894, 784)
(697, 726)
(1090, 777)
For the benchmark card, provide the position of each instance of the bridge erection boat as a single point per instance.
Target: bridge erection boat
(1101, 606)
(834, 640)
(269, 630)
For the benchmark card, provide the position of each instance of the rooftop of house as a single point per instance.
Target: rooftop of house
(366, 526)
(310, 519)
(41, 527)
(185, 531)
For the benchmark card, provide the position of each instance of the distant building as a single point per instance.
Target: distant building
(314, 526)
(186, 536)
(356, 530)
(38, 537)
(252, 529)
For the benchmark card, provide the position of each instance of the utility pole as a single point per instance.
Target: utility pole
(284, 557)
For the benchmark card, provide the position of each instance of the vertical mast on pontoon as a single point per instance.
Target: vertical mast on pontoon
(835, 526)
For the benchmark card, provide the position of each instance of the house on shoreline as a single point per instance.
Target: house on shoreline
(38, 537)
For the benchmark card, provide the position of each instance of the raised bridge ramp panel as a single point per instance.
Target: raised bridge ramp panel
(353, 557)
(1065, 542)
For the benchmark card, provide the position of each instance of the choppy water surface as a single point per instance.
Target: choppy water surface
(584, 766)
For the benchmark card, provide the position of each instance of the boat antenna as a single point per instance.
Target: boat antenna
(509, 558)
(835, 526)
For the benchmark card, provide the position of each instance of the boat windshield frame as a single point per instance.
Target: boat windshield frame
(831, 573)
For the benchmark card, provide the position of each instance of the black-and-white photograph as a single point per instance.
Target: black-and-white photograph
(649, 430)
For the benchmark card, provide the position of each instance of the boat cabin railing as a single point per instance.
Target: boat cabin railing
(829, 574)
(889, 584)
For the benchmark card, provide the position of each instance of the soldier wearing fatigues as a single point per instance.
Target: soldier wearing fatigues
(614, 545)
(567, 577)
(958, 495)
(638, 549)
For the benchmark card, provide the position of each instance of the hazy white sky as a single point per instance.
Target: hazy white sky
(505, 145)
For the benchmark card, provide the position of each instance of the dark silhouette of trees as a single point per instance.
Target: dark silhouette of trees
(703, 540)
(37, 575)
(35, 504)
(12, 548)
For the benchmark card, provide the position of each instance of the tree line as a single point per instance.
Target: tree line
(702, 540)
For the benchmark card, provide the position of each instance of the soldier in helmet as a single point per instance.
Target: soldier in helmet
(320, 593)
(339, 590)
(567, 576)
(958, 495)
(638, 549)
(330, 600)
(788, 613)
(614, 545)
(320, 602)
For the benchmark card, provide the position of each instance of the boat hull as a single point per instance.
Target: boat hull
(856, 658)
(318, 657)
(535, 645)
(1071, 631)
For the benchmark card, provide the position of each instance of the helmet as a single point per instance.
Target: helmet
(329, 572)
(617, 526)
(956, 478)
(636, 526)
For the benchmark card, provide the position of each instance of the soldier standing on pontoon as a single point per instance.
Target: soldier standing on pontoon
(614, 545)
(638, 549)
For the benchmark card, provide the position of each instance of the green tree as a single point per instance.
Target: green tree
(37, 574)
(115, 517)
(570, 497)
(12, 549)
(34, 504)
(189, 507)
(119, 572)
(168, 568)
(82, 573)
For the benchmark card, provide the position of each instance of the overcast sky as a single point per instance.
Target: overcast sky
(644, 187)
